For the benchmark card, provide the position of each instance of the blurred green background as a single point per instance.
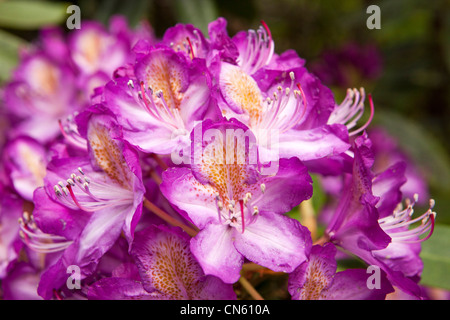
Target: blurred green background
(407, 69)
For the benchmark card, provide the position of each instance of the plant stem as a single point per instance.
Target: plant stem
(160, 162)
(308, 217)
(166, 217)
(155, 176)
(253, 267)
(249, 288)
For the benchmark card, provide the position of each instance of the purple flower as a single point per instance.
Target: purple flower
(164, 269)
(25, 161)
(41, 92)
(402, 254)
(187, 39)
(166, 98)
(234, 204)
(107, 185)
(317, 279)
(366, 223)
(277, 95)
(93, 48)
(113, 135)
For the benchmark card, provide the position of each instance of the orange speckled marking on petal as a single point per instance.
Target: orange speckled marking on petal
(317, 280)
(173, 269)
(108, 155)
(162, 74)
(241, 90)
(226, 177)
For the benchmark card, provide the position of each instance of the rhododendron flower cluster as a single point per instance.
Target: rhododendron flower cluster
(145, 168)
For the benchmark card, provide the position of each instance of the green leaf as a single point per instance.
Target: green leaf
(9, 47)
(22, 14)
(423, 148)
(134, 10)
(436, 258)
(197, 12)
(319, 197)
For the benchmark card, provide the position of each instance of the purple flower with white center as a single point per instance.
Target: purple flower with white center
(227, 198)
(286, 107)
(107, 186)
(93, 48)
(25, 161)
(41, 92)
(290, 103)
(162, 268)
(166, 98)
(317, 279)
(361, 223)
(169, 270)
(212, 135)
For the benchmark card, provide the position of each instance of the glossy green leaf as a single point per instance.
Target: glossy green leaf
(9, 48)
(197, 12)
(22, 14)
(423, 148)
(436, 258)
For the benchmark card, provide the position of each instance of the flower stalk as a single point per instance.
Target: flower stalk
(166, 217)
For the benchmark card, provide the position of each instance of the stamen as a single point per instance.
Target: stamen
(57, 190)
(292, 75)
(38, 241)
(191, 48)
(432, 203)
(71, 134)
(241, 202)
(397, 224)
(166, 114)
(259, 50)
(263, 187)
(66, 191)
(219, 205)
(69, 187)
(372, 111)
(267, 29)
(130, 84)
(351, 110)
